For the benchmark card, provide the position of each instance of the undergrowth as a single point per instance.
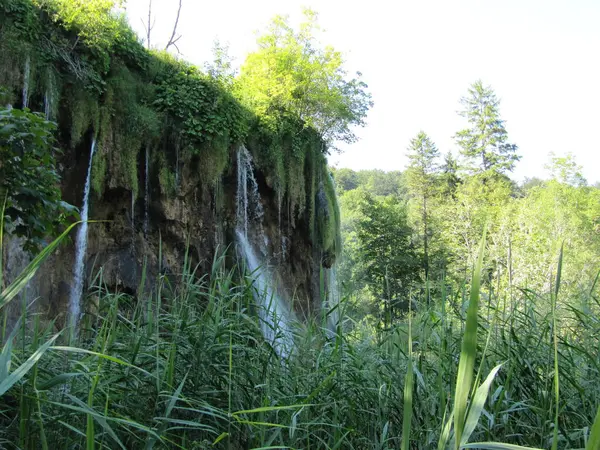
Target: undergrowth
(185, 366)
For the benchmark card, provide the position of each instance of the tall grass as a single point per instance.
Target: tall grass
(185, 366)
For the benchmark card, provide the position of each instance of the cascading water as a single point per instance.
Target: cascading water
(249, 206)
(147, 192)
(26, 74)
(274, 314)
(332, 303)
(46, 106)
(48, 97)
(219, 235)
(132, 211)
(80, 250)
(282, 246)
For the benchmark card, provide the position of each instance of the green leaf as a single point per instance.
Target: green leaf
(498, 446)
(594, 439)
(22, 370)
(100, 355)
(468, 352)
(28, 273)
(477, 404)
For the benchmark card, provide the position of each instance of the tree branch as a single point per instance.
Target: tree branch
(173, 40)
(148, 27)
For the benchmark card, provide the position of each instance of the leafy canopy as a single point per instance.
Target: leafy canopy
(386, 253)
(566, 170)
(290, 72)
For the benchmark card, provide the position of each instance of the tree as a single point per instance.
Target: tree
(221, 69)
(449, 176)
(345, 179)
(149, 25)
(421, 181)
(486, 138)
(565, 169)
(174, 37)
(386, 254)
(29, 183)
(290, 72)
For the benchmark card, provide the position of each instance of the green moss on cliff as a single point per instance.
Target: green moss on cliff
(104, 83)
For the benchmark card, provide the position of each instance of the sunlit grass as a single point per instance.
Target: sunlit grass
(186, 367)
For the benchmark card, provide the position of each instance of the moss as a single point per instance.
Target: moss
(332, 240)
(214, 158)
(99, 169)
(327, 214)
(166, 177)
(133, 99)
(13, 53)
(85, 113)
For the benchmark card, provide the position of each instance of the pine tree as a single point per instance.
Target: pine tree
(449, 176)
(421, 179)
(486, 139)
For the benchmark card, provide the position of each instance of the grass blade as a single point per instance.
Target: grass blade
(28, 273)
(477, 405)
(469, 349)
(555, 339)
(408, 390)
(22, 370)
(498, 446)
(594, 439)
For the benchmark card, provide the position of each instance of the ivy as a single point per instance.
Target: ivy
(28, 178)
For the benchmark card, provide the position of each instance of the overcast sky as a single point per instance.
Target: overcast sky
(419, 57)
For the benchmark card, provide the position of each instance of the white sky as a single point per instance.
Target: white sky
(542, 58)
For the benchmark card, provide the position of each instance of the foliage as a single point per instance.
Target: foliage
(486, 139)
(386, 252)
(204, 376)
(422, 167)
(421, 179)
(376, 182)
(328, 219)
(221, 69)
(449, 179)
(565, 169)
(28, 177)
(196, 103)
(290, 72)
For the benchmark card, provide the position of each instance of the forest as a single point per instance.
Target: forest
(180, 266)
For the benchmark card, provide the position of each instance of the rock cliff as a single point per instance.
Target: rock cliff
(165, 176)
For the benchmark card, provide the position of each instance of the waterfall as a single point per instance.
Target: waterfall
(48, 97)
(274, 315)
(80, 250)
(217, 205)
(46, 106)
(26, 74)
(332, 302)
(177, 167)
(147, 192)
(279, 232)
(248, 204)
(133, 212)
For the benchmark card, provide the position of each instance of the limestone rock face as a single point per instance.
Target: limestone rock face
(196, 219)
(164, 175)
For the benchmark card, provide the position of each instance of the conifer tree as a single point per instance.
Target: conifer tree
(486, 139)
(449, 176)
(421, 178)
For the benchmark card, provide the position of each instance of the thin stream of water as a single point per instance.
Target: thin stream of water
(80, 250)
